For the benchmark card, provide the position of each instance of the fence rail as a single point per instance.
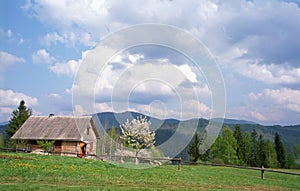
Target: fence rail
(262, 169)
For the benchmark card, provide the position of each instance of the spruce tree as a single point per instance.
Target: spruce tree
(247, 147)
(254, 149)
(204, 147)
(279, 150)
(290, 159)
(194, 147)
(18, 117)
(261, 151)
(240, 150)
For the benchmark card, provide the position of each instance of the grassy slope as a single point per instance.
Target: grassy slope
(33, 172)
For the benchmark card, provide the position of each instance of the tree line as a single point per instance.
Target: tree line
(247, 149)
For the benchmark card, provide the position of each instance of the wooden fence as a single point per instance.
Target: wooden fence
(262, 169)
(148, 160)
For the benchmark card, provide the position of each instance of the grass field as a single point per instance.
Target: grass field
(20, 171)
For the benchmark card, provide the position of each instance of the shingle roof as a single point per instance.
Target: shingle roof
(53, 128)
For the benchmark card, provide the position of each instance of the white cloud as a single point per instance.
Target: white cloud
(103, 107)
(42, 56)
(271, 106)
(70, 38)
(68, 68)
(258, 116)
(270, 74)
(9, 33)
(9, 101)
(187, 71)
(53, 38)
(287, 98)
(11, 98)
(7, 60)
(257, 39)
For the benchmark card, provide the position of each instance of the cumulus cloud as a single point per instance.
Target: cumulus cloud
(271, 74)
(284, 97)
(287, 98)
(250, 26)
(11, 98)
(256, 39)
(8, 59)
(258, 116)
(272, 105)
(68, 68)
(53, 38)
(42, 56)
(9, 101)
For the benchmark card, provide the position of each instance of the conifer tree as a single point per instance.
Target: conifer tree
(261, 151)
(204, 147)
(240, 150)
(194, 147)
(254, 149)
(18, 117)
(279, 151)
(247, 147)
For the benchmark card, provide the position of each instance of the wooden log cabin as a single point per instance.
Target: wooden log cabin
(71, 134)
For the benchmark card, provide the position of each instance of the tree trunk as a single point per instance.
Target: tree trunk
(136, 157)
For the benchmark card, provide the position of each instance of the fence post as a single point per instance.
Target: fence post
(262, 172)
(179, 164)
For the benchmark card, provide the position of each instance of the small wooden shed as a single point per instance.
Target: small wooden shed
(72, 134)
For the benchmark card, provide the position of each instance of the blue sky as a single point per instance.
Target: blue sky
(256, 45)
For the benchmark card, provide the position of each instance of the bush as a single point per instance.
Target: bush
(217, 161)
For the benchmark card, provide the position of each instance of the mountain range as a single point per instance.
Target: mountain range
(165, 128)
(289, 134)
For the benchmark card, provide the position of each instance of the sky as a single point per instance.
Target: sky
(45, 45)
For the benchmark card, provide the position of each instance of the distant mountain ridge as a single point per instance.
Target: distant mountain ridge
(289, 134)
(166, 127)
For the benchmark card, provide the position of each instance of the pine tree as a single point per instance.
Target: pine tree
(247, 147)
(194, 147)
(204, 147)
(290, 159)
(215, 150)
(254, 149)
(296, 151)
(17, 119)
(261, 151)
(240, 150)
(279, 151)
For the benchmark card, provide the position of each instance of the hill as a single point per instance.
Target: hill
(166, 128)
(20, 171)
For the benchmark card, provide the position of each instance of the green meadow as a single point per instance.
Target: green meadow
(20, 171)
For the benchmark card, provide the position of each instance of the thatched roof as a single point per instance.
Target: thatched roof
(54, 128)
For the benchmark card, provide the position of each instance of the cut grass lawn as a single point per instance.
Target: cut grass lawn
(20, 171)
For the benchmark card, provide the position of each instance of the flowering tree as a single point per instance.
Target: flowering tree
(137, 134)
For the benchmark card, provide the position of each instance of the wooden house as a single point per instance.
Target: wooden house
(71, 134)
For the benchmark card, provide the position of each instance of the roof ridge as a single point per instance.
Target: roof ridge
(62, 116)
